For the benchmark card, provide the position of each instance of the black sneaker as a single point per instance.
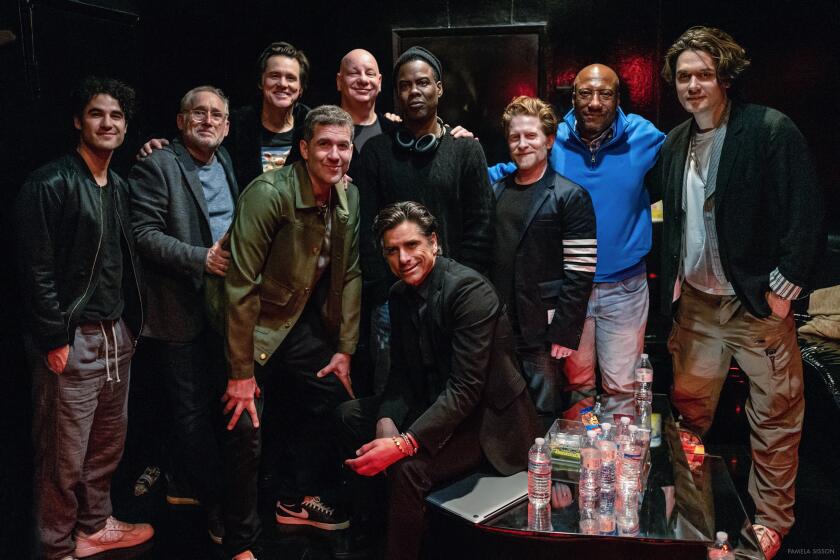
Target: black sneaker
(215, 524)
(311, 511)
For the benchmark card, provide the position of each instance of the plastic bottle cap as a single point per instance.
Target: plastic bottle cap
(722, 536)
(540, 441)
(625, 419)
(633, 427)
(606, 425)
(644, 356)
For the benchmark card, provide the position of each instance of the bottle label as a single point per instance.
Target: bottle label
(644, 375)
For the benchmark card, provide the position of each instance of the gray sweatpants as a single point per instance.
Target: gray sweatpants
(708, 332)
(79, 428)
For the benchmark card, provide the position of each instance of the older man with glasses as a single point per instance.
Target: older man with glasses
(183, 197)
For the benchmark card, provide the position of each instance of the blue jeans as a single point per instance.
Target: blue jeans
(613, 337)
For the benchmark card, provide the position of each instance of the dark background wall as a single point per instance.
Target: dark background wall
(165, 47)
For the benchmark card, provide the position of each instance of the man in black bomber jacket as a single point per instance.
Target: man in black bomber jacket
(80, 279)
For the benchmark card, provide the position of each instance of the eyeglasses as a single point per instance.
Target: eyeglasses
(203, 115)
(587, 94)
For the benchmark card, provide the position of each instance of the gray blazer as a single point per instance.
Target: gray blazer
(172, 230)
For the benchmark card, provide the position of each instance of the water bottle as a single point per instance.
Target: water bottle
(606, 483)
(721, 550)
(539, 517)
(631, 459)
(539, 473)
(589, 519)
(644, 380)
(590, 466)
(644, 420)
(622, 433)
(622, 438)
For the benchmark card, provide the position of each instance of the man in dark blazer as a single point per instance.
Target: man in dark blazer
(455, 398)
(742, 234)
(545, 253)
(183, 197)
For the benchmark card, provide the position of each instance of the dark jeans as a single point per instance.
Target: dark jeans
(410, 479)
(545, 379)
(309, 403)
(193, 377)
(79, 429)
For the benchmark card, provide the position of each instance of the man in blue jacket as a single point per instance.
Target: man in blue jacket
(608, 153)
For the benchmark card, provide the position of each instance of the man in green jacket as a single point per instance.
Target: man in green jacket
(292, 313)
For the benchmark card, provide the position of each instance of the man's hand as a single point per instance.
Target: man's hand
(461, 132)
(218, 259)
(340, 366)
(778, 305)
(386, 428)
(393, 118)
(153, 144)
(239, 396)
(558, 351)
(374, 457)
(57, 358)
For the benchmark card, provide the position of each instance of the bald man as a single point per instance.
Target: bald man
(359, 83)
(608, 153)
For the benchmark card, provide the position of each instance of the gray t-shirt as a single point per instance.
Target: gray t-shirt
(701, 262)
(218, 197)
(364, 132)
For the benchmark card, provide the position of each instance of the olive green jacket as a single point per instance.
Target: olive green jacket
(275, 240)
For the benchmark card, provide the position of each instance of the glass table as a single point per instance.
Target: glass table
(680, 509)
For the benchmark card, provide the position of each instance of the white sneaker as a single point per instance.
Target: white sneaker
(115, 534)
(769, 540)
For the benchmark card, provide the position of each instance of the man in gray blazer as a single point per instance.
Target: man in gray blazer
(183, 199)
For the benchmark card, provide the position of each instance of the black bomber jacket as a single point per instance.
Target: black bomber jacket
(59, 231)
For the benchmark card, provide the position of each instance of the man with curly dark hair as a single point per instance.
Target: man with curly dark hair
(83, 312)
(743, 231)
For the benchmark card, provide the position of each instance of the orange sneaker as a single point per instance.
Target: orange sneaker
(115, 534)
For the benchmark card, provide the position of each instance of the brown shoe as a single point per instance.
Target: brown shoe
(115, 534)
(769, 540)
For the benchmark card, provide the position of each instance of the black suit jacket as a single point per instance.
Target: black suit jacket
(561, 220)
(768, 204)
(472, 374)
(172, 230)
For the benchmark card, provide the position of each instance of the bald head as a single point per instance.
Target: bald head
(359, 81)
(604, 74)
(595, 100)
(357, 57)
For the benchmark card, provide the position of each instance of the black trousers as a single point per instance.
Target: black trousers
(193, 377)
(409, 480)
(309, 404)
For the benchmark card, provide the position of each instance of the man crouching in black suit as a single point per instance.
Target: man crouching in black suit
(455, 398)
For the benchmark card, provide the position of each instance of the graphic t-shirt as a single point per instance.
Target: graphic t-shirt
(275, 148)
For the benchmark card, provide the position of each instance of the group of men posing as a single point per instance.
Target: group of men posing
(262, 263)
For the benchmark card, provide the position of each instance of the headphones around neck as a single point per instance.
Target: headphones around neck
(425, 144)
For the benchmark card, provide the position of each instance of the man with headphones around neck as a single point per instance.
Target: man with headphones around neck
(423, 162)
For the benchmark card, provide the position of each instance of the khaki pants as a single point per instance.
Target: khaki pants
(708, 332)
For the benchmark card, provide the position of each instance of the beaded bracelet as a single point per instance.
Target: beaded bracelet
(397, 442)
(409, 443)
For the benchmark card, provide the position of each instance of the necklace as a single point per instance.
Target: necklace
(692, 154)
(323, 206)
